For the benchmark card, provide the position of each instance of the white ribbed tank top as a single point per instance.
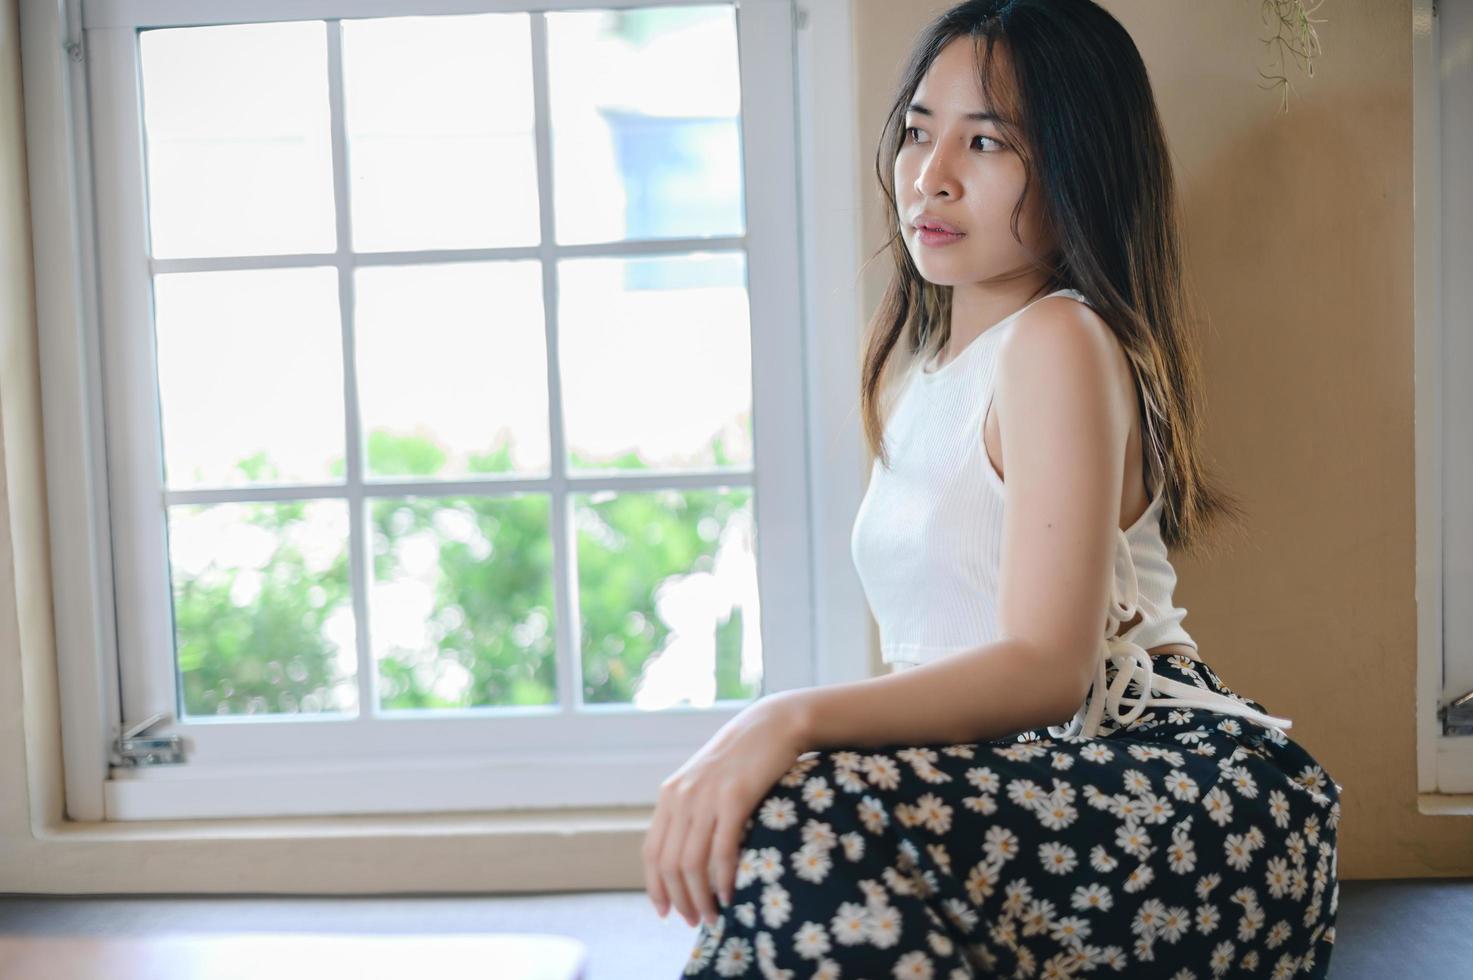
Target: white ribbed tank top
(927, 537)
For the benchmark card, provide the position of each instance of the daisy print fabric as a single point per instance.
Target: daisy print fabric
(1189, 844)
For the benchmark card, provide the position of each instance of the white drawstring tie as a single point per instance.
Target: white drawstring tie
(1134, 665)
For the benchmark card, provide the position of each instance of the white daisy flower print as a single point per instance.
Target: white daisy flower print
(914, 965)
(983, 779)
(1277, 876)
(819, 833)
(1181, 786)
(1096, 752)
(981, 882)
(853, 843)
(1278, 935)
(1218, 805)
(1139, 878)
(811, 941)
(1278, 808)
(1238, 854)
(769, 864)
(1158, 809)
(873, 815)
(1094, 897)
(735, 957)
(1057, 858)
(1133, 840)
(940, 856)
(1244, 783)
(1038, 917)
(746, 869)
(934, 813)
(960, 914)
(849, 925)
(1208, 918)
(700, 955)
(1181, 854)
(746, 914)
(882, 771)
(1102, 860)
(777, 813)
(940, 945)
(1056, 815)
(799, 770)
(1021, 751)
(1174, 924)
(811, 862)
(1222, 958)
(1019, 893)
(776, 905)
(1001, 844)
(984, 804)
(1070, 930)
(874, 892)
(818, 795)
(1026, 793)
(850, 781)
(884, 926)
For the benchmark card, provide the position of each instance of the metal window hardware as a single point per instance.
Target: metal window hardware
(1457, 717)
(133, 748)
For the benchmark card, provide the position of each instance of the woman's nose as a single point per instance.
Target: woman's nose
(937, 173)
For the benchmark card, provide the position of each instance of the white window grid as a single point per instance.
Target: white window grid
(594, 755)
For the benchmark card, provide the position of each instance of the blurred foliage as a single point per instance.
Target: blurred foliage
(258, 640)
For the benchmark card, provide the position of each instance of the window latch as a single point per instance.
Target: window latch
(134, 748)
(1457, 717)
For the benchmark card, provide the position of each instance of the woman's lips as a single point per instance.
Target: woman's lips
(937, 238)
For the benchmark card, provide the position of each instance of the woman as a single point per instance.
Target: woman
(1024, 794)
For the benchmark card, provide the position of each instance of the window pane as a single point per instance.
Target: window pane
(452, 369)
(656, 362)
(440, 131)
(667, 592)
(263, 614)
(646, 128)
(237, 140)
(250, 376)
(462, 605)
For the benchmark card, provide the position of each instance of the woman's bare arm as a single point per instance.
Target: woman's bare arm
(986, 693)
(1065, 401)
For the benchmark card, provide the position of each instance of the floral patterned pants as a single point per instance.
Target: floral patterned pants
(1187, 844)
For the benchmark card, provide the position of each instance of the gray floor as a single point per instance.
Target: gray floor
(1420, 928)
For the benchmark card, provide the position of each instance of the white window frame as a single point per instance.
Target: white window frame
(1442, 240)
(102, 501)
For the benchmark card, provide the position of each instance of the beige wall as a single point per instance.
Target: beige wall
(1299, 235)
(1300, 242)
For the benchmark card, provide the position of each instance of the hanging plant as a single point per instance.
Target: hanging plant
(1293, 28)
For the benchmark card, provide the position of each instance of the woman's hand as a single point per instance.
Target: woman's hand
(690, 852)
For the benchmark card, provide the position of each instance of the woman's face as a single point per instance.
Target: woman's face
(959, 169)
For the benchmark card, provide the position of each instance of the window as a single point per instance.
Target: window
(448, 359)
(1443, 159)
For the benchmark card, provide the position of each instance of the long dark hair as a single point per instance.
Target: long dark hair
(1087, 129)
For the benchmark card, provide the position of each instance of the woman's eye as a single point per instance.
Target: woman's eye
(996, 144)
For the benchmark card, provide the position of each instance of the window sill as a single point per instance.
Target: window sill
(1445, 804)
(607, 822)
